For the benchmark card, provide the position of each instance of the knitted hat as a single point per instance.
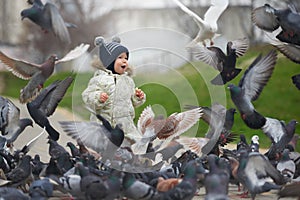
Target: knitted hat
(108, 52)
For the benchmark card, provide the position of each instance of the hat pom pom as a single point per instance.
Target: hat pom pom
(116, 39)
(99, 41)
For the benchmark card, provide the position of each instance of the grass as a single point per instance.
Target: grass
(170, 92)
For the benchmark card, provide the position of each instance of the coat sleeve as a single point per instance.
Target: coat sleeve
(91, 95)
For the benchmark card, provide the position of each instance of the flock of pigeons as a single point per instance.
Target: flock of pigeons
(160, 163)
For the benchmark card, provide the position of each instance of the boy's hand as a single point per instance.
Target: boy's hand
(103, 97)
(139, 93)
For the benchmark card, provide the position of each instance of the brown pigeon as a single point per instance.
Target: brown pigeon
(163, 130)
(37, 73)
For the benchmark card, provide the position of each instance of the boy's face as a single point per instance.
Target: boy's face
(121, 63)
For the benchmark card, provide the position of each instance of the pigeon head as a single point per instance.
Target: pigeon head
(234, 90)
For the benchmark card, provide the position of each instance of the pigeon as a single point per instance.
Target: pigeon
(41, 189)
(164, 185)
(194, 144)
(253, 170)
(250, 87)
(102, 138)
(187, 188)
(296, 80)
(220, 121)
(290, 190)
(283, 25)
(208, 25)
(280, 135)
(136, 189)
(242, 144)
(20, 175)
(8, 193)
(254, 145)
(269, 19)
(216, 182)
(37, 73)
(46, 103)
(47, 17)
(286, 166)
(163, 129)
(11, 125)
(74, 151)
(224, 63)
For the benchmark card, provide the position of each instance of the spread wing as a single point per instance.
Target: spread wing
(258, 74)
(58, 24)
(91, 134)
(146, 118)
(214, 11)
(241, 46)
(74, 53)
(19, 68)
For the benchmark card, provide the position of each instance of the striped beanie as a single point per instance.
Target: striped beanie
(108, 52)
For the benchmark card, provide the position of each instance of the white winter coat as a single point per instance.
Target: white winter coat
(119, 107)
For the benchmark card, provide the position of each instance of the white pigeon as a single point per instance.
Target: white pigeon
(208, 25)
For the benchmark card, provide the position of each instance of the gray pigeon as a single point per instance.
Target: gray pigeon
(37, 73)
(11, 193)
(95, 136)
(136, 189)
(216, 182)
(286, 166)
(47, 16)
(252, 172)
(280, 135)
(46, 103)
(284, 25)
(11, 125)
(20, 175)
(250, 86)
(224, 63)
(220, 121)
(41, 189)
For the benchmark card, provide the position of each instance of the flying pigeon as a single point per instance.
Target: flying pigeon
(280, 135)
(46, 102)
(249, 88)
(220, 121)
(163, 129)
(283, 25)
(100, 137)
(208, 25)
(47, 17)
(11, 125)
(37, 73)
(253, 170)
(296, 80)
(224, 63)
(269, 19)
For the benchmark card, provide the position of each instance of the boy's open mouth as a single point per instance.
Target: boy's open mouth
(123, 66)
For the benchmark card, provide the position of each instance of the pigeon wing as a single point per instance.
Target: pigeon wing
(196, 18)
(19, 68)
(264, 20)
(146, 118)
(214, 12)
(74, 53)
(58, 25)
(91, 134)
(13, 115)
(273, 128)
(211, 56)
(51, 101)
(258, 74)
(241, 46)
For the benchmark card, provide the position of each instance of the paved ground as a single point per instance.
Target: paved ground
(41, 147)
